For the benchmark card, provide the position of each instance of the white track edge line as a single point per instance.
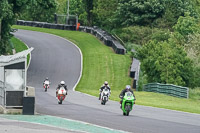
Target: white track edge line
(87, 123)
(23, 121)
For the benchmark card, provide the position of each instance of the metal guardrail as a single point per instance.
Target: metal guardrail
(168, 89)
(99, 33)
(106, 38)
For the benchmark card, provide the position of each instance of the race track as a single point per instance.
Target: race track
(59, 59)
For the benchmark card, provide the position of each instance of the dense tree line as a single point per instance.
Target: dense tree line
(167, 31)
(11, 10)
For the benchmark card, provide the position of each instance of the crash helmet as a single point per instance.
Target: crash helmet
(62, 82)
(106, 83)
(128, 87)
(47, 78)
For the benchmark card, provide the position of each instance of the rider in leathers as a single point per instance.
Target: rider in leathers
(102, 87)
(62, 84)
(127, 89)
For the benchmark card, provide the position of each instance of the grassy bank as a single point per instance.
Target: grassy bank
(100, 63)
(19, 46)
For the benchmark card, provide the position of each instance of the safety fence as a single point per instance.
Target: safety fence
(46, 25)
(168, 89)
(103, 36)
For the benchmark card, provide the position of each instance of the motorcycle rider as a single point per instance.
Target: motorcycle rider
(102, 87)
(46, 80)
(127, 89)
(62, 84)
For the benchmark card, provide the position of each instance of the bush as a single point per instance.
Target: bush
(141, 35)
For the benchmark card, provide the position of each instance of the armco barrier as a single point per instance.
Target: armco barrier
(100, 34)
(172, 90)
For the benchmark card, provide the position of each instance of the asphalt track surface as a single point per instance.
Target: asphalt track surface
(59, 59)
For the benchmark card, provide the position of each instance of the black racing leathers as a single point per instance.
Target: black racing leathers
(65, 86)
(123, 93)
(104, 87)
(101, 89)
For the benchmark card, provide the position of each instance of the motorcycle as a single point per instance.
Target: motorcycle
(46, 85)
(61, 95)
(105, 95)
(127, 103)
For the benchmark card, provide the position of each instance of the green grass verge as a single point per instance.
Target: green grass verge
(20, 46)
(100, 63)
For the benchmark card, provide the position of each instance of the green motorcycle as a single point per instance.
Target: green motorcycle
(127, 103)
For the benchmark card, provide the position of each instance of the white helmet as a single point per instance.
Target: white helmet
(62, 82)
(106, 83)
(128, 87)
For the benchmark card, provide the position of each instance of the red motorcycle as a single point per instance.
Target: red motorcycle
(61, 95)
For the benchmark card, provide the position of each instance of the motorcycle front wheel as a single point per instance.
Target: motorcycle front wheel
(60, 101)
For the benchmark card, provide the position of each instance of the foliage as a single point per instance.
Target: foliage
(40, 10)
(9, 11)
(194, 94)
(187, 25)
(142, 34)
(139, 12)
(61, 7)
(165, 62)
(192, 47)
(89, 5)
(104, 12)
(176, 8)
(76, 8)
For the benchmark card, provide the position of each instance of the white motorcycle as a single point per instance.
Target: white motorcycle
(61, 95)
(105, 95)
(46, 85)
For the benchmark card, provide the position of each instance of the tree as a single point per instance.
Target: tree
(40, 10)
(176, 8)
(104, 12)
(9, 12)
(141, 12)
(89, 4)
(185, 26)
(165, 62)
(76, 8)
